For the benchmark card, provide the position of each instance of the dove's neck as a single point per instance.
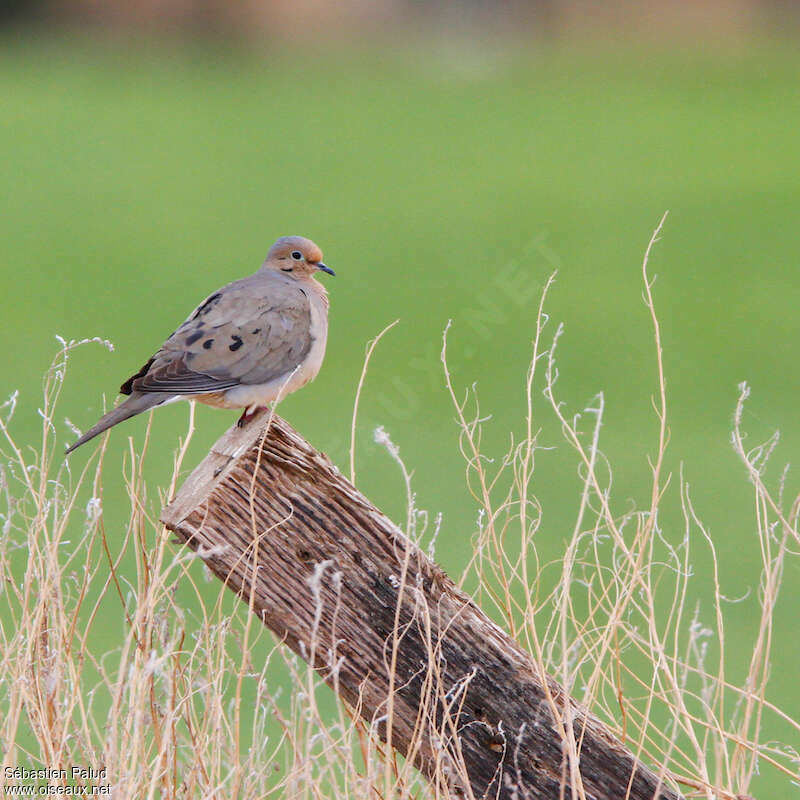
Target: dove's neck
(315, 290)
(318, 294)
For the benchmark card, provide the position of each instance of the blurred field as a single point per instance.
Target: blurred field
(138, 178)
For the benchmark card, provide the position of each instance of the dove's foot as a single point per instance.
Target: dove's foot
(248, 415)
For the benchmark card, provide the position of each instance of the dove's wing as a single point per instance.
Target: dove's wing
(249, 332)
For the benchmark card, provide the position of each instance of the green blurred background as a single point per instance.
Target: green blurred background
(146, 162)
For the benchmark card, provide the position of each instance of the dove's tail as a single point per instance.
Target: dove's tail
(134, 405)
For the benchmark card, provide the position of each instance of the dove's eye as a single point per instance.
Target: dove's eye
(297, 255)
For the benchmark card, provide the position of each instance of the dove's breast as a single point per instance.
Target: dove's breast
(319, 337)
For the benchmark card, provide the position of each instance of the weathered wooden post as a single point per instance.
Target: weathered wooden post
(344, 588)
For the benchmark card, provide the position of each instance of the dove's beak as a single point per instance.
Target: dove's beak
(325, 268)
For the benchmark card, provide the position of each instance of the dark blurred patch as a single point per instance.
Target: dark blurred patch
(12, 11)
(317, 18)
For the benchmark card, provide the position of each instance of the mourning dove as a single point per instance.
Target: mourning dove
(244, 345)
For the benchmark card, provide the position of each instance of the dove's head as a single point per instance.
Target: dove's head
(296, 256)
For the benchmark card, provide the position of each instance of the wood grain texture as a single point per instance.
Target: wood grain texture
(332, 574)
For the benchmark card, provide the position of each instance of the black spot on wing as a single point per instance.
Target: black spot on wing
(194, 337)
(237, 343)
(208, 344)
(127, 387)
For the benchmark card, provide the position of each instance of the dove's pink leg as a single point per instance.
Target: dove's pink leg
(247, 415)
